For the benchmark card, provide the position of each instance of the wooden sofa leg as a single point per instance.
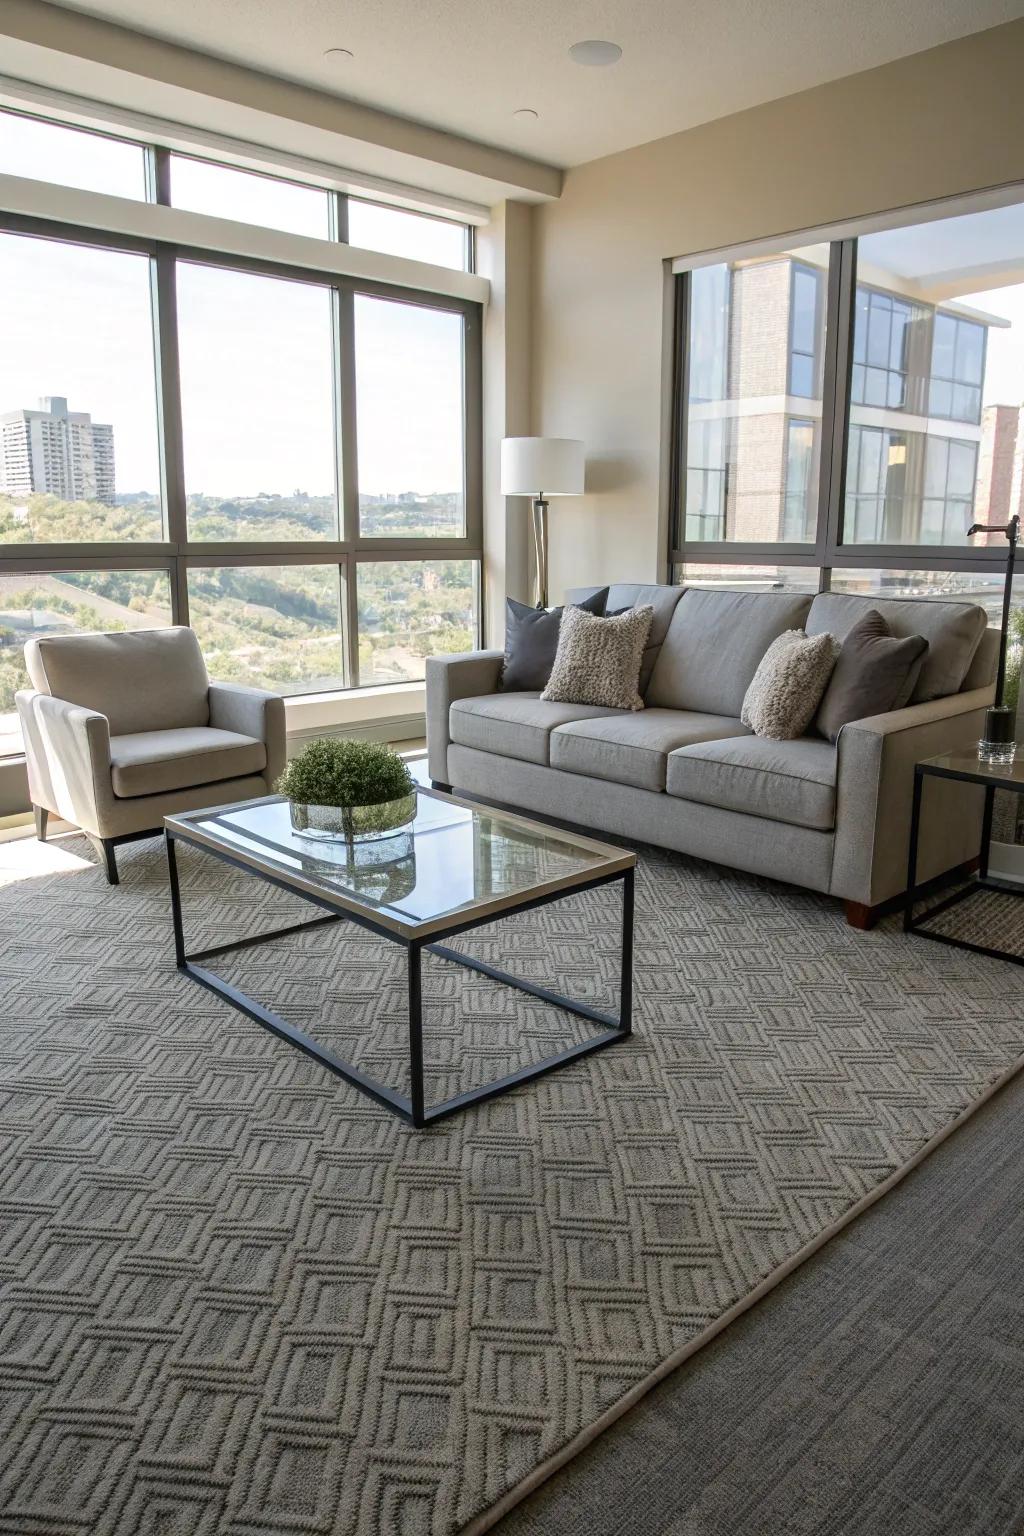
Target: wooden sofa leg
(858, 915)
(42, 816)
(104, 849)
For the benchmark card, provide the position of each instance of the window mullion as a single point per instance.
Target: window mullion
(842, 283)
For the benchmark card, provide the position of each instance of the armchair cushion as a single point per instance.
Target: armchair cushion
(152, 762)
(142, 679)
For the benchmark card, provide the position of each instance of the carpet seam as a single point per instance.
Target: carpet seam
(490, 1517)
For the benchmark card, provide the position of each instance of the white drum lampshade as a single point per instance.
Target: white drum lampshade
(540, 467)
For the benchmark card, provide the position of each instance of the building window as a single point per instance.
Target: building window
(876, 484)
(958, 369)
(950, 475)
(798, 511)
(882, 331)
(805, 332)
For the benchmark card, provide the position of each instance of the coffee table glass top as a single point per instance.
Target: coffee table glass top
(456, 860)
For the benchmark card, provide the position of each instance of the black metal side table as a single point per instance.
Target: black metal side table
(968, 769)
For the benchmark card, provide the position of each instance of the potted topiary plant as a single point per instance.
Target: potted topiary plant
(354, 790)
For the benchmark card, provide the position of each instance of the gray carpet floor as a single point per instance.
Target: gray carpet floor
(240, 1298)
(879, 1391)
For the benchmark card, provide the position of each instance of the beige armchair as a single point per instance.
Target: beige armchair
(123, 729)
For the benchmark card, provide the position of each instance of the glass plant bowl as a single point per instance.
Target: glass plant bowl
(354, 823)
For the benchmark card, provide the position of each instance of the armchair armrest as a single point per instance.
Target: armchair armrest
(874, 789)
(252, 712)
(67, 753)
(465, 676)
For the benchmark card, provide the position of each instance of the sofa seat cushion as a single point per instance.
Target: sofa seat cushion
(791, 781)
(634, 748)
(515, 724)
(153, 762)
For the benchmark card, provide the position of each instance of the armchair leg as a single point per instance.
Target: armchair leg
(441, 785)
(42, 815)
(104, 850)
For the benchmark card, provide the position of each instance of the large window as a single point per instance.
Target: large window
(851, 410)
(284, 457)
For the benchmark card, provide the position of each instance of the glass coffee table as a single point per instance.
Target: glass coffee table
(457, 867)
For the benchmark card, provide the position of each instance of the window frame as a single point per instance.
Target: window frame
(175, 552)
(830, 550)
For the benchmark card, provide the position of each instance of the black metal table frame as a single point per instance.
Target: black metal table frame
(411, 1108)
(983, 881)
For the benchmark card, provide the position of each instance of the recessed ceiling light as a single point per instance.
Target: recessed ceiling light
(595, 53)
(525, 114)
(339, 54)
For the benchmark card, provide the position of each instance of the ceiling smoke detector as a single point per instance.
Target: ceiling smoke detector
(595, 53)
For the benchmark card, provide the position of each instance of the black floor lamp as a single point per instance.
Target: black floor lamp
(999, 743)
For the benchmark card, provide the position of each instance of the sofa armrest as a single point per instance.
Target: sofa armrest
(465, 676)
(67, 753)
(874, 791)
(252, 712)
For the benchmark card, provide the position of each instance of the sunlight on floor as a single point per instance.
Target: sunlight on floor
(28, 859)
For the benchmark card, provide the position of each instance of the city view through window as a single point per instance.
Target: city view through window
(262, 445)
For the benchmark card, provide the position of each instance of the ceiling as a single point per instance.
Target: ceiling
(467, 65)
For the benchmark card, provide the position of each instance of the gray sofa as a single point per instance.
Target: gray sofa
(684, 773)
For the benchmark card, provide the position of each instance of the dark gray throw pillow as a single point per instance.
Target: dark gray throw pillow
(531, 641)
(875, 673)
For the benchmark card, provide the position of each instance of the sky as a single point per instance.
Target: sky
(256, 369)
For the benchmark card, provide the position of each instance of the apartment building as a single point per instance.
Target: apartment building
(57, 452)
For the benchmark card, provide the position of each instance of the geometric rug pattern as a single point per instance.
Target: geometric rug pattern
(237, 1298)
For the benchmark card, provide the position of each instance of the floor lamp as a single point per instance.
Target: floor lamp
(998, 745)
(540, 467)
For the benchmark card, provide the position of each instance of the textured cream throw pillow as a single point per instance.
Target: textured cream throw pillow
(788, 685)
(598, 660)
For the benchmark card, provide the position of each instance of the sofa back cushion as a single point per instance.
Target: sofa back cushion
(953, 632)
(633, 594)
(714, 643)
(142, 680)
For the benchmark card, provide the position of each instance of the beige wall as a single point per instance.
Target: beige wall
(934, 125)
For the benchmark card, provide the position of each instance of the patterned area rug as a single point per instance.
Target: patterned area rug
(240, 1298)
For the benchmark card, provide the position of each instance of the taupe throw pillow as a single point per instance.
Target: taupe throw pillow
(531, 640)
(875, 673)
(787, 687)
(598, 660)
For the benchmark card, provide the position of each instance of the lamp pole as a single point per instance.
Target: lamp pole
(540, 549)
